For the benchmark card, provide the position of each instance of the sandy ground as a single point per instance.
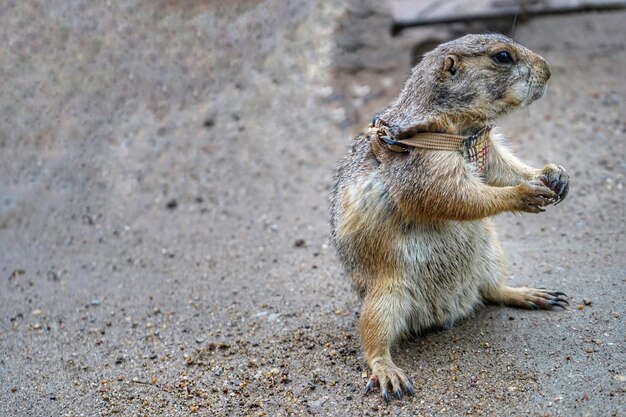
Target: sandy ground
(164, 182)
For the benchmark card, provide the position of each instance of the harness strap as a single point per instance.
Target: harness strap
(474, 148)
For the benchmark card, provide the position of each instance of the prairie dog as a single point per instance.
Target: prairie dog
(412, 225)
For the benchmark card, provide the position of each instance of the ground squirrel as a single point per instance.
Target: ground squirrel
(412, 225)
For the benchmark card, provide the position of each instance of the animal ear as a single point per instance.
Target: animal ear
(450, 65)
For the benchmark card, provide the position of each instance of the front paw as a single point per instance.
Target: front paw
(557, 179)
(385, 374)
(534, 195)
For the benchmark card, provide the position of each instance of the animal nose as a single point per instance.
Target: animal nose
(545, 69)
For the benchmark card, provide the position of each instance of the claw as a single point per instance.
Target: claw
(557, 304)
(398, 394)
(561, 300)
(558, 189)
(564, 193)
(410, 389)
(553, 184)
(557, 293)
(370, 386)
(385, 395)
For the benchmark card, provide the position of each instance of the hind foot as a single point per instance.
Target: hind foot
(534, 298)
(386, 375)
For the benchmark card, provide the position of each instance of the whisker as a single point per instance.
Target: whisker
(514, 25)
(527, 106)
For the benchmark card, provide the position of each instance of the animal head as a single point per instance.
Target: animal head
(476, 77)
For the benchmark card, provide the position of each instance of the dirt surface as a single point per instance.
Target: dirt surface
(164, 182)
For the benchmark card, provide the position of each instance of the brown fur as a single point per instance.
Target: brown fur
(412, 229)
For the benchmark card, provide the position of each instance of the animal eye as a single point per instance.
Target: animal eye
(502, 57)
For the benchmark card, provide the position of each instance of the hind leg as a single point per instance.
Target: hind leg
(525, 297)
(495, 291)
(384, 318)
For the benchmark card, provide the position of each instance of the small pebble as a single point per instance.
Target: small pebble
(36, 312)
(172, 204)
(95, 302)
(199, 340)
(587, 301)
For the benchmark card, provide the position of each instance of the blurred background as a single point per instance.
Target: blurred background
(165, 168)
